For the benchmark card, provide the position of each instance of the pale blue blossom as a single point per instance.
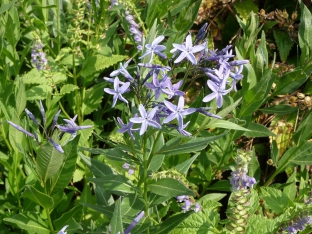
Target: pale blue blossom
(118, 91)
(154, 48)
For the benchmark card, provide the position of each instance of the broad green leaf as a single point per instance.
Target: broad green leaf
(34, 77)
(5, 7)
(30, 221)
(65, 173)
(93, 98)
(98, 63)
(74, 213)
(305, 28)
(131, 205)
(275, 200)
(258, 130)
(67, 88)
(38, 92)
(12, 27)
(38, 197)
(213, 197)
(156, 162)
(20, 97)
(283, 42)
(103, 197)
(170, 223)
(244, 8)
(259, 224)
(116, 221)
(176, 146)
(98, 168)
(290, 81)
(279, 109)
(49, 161)
(297, 155)
(303, 131)
(227, 125)
(169, 187)
(117, 184)
(290, 190)
(254, 97)
(185, 166)
(205, 221)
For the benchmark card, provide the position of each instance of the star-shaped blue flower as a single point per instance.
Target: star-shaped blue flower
(154, 48)
(118, 91)
(187, 50)
(178, 112)
(158, 86)
(146, 119)
(126, 128)
(123, 71)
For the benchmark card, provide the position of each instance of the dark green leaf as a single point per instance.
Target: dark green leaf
(169, 187)
(116, 221)
(258, 130)
(40, 198)
(279, 109)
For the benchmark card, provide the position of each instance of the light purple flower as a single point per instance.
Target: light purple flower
(182, 198)
(187, 50)
(154, 48)
(158, 86)
(197, 208)
(178, 112)
(123, 71)
(19, 128)
(62, 231)
(236, 75)
(42, 112)
(126, 128)
(146, 119)
(31, 116)
(218, 91)
(71, 127)
(56, 146)
(134, 222)
(173, 89)
(118, 91)
(183, 131)
(186, 206)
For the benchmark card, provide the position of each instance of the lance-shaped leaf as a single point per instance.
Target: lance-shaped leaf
(40, 198)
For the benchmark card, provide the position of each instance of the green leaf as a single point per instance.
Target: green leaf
(259, 224)
(222, 185)
(98, 63)
(38, 92)
(40, 198)
(20, 97)
(176, 146)
(283, 42)
(298, 155)
(254, 97)
(49, 161)
(116, 221)
(97, 168)
(290, 81)
(5, 7)
(279, 109)
(303, 131)
(244, 8)
(34, 77)
(305, 28)
(290, 190)
(68, 88)
(30, 221)
(205, 221)
(74, 213)
(275, 200)
(65, 173)
(12, 31)
(227, 125)
(258, 130)
(185, 166)
(93, 98)
(170, 223)
(169, 187)
(117, 184)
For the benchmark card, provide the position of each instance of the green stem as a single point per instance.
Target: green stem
(49, 220)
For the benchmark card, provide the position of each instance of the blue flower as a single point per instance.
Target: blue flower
(178, 112)
(146, 119)
(123, 71)
(19, 128)
(236, 75)
(158, 86)
(217, 92)
(62, 231)
(126, 128)
(42, 112)
(173, 89)
(71, 127)
(118, 91)
(187, 50)
(134, 222)
(154, 48)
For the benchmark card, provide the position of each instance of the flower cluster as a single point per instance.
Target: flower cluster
(71, 127)
(300, 225)
(38, 57)
(134, 29)
(129, 168)
(153, 83)
(188, 203)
